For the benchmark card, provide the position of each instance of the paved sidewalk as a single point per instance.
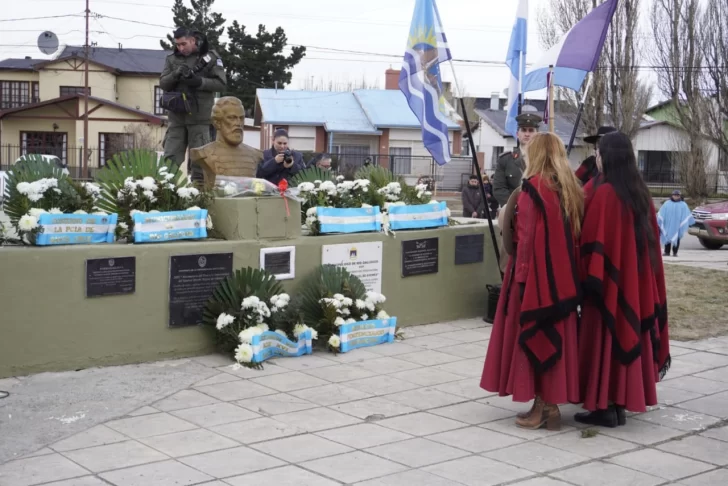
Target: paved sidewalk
(408, 413)
(714, 260)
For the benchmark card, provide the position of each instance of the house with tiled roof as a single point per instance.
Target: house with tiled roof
(42, 104)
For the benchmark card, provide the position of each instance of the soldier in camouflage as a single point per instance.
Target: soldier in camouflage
(510, 165)
(192, 75)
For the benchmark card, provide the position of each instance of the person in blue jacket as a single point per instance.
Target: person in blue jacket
(674, 219)
(279, 161)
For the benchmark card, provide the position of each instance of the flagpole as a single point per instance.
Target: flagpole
(551, 99)
(476, 167)
(578, 114)
(520, 89)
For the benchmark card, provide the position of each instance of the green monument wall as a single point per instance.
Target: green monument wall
(48, 324)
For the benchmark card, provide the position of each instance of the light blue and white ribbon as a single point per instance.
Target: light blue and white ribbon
(349, 220)
(270, 344)
(367, 333)
(418, 216)
(170, 226)
(76, 229)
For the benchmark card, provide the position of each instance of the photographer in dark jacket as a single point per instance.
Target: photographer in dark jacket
(280, 162)
(192, 75)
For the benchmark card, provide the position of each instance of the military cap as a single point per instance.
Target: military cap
(528, 120)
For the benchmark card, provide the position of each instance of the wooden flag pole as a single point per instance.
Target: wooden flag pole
(551, 99)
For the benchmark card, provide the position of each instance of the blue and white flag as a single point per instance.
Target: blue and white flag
(420, 79)
(576, 54)
(516, 62)
(75, 229)
(418, 216)
(349, 220)
(171, 225)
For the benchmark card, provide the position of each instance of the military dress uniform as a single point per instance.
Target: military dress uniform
(191, 129)
(510, 166)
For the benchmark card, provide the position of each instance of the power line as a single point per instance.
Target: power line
(42, 18)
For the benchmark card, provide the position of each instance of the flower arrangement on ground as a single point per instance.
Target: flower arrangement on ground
(246, 304)
(36, 187)
(332, 297)
(141, 181)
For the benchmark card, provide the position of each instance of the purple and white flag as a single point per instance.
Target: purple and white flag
(576, 54)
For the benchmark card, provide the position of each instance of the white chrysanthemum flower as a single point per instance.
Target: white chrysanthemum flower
(314, 334)
(332, 302)
(224, 320)
(244, 353)
(370, 306)
(329, 187)
(169, 177)
(447, 212)
(55, 211)
(35, 196)
(360, 304)
(345, 312)
(250, 302)
(339, 321)
(263, 327)
(208, 223)
(27, 223)
(347, 302)
(432, 202)
(299, 329)
(184, 192)
(163, 169)
(150, 196)
(375, 297)
(148, 184)
(334, 341)
(306, 187)
(339, 297)
(228, 189)
(340, 178)
(80, 211)
(311, 212)
(135, 211)
(364, 317)
(317, 182)
(382, 315)
(23, 188)
(123, 225)
(193, 208)
(153, 211)
(100, 213)
(246, 335)
(366, 205)
(36, 212)
(350, 321)
(282, 333)
(130, 184)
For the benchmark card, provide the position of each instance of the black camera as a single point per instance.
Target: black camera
(287, 157)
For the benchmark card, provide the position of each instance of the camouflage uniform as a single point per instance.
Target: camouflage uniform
(191, 129)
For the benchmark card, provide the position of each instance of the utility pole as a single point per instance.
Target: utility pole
(84, 166)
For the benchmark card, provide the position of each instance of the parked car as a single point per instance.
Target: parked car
(711, 225)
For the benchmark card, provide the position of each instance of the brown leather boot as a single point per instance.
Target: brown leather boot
(523, 415)
(543, 414)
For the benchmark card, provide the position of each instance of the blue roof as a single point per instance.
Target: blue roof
(388, 108)
(363, 111)
(337, 112)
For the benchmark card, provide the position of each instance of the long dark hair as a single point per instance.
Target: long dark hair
(619, 168)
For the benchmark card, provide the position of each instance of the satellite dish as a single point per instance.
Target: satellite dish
(48, 42)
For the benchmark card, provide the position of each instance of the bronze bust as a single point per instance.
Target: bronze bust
(227, 155)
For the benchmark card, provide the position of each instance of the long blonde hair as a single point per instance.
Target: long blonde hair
(547, 158)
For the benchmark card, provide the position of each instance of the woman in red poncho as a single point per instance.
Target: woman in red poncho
(533, 350)
(623, 344)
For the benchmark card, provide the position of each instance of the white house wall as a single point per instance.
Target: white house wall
(251, 137)
(665, 138)
(302, 138)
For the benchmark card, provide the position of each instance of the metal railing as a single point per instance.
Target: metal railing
(70, 157)
(664, 182)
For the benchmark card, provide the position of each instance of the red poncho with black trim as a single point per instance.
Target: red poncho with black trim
(624, 293)
(552, 291)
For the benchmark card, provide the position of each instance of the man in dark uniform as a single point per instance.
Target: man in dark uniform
(192, 75)
(510, 166)
(588, 168)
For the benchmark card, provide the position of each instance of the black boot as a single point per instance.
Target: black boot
(621, 415)
(603, 418)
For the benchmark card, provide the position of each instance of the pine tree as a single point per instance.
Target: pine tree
(258, 61)
(200, 18)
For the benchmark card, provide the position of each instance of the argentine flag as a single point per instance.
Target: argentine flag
(420, 79)
(576, 54)
(516, 62)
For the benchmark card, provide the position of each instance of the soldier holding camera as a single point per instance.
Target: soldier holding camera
(280, 162)
(192, 75)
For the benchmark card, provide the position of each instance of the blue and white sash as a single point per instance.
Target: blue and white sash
(349, 220)
(270, 344)
(418, 216)
(170, 225)
(75, 229)
(367, 333)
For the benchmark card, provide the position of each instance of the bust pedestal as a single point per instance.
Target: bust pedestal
(256, 218)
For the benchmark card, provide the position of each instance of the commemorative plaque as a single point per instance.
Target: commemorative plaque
(279, 261)
(110, 276)
(469, 248)
(420, 257)
(192, 279)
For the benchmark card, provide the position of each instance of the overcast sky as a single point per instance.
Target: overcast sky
(477, 30)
